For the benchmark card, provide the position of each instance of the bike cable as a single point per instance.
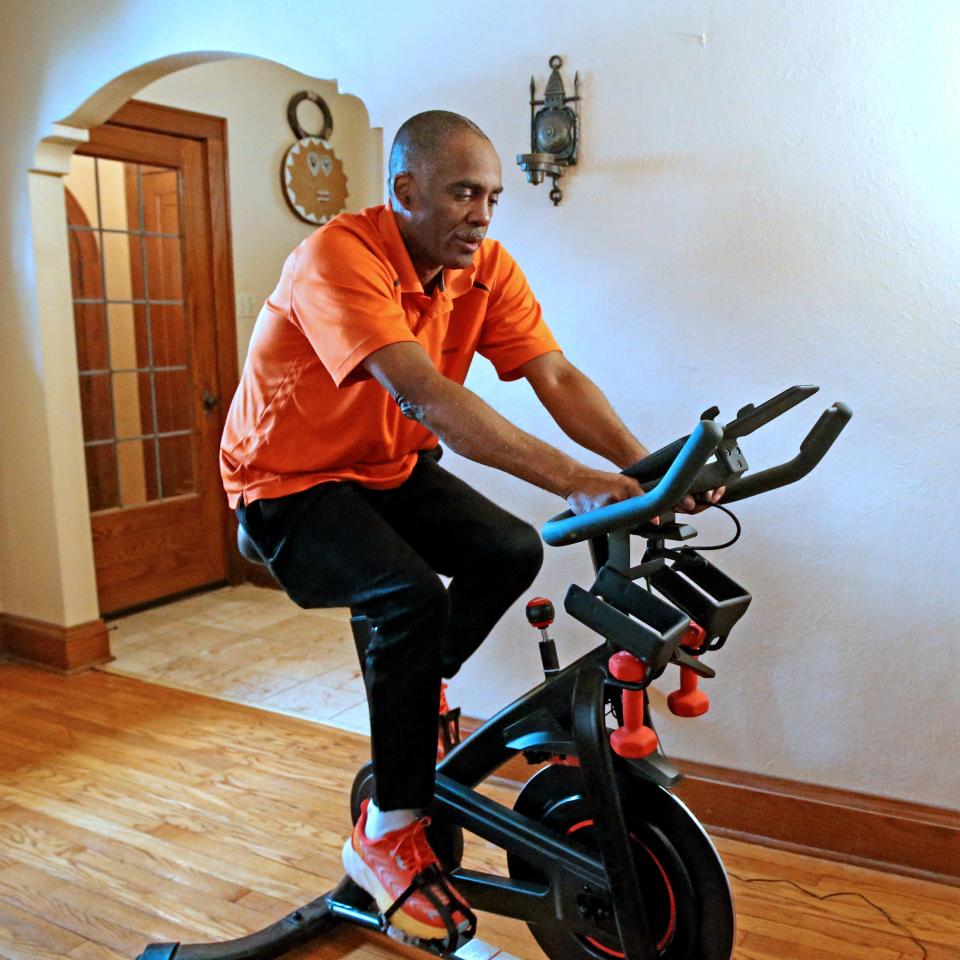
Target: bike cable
(736, 536)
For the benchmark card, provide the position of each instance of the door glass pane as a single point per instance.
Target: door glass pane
(161, 201)
(118, 194)
(116, 266)
(124, 352)
(168, 334)
(131, 415)
(174, 403)
(82, 185)
(136, 387)
(91, 328)
(176, 465)
(103, 486)
(86, 267)
(96, 404)
(163, 268)
(133, 480)
(151, 472)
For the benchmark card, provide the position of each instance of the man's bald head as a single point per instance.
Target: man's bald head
(422, 138)
(445, 181)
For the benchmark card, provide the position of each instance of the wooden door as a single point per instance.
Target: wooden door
(150, 375)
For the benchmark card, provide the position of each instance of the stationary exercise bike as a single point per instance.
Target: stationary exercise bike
(603, 861)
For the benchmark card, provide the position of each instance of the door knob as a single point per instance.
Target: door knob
(209, 400)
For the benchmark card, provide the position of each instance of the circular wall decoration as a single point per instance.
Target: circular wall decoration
(314, 184)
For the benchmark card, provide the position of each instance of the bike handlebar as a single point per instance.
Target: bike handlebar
(568, 527)
(812, 450)
(681, 468)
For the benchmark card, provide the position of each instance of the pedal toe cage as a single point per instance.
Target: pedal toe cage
(450, 729)
(431, 877)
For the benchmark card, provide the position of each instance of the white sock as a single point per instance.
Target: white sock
(380, 821)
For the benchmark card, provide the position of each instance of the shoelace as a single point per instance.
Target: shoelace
(412, 849)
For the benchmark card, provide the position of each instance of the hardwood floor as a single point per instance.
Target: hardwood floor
(131, 812)
(250, 645)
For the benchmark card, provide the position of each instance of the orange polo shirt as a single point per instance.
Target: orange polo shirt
(307, 412)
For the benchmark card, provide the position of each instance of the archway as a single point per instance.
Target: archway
(64, 628)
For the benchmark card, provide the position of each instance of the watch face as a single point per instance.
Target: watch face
(314, 183)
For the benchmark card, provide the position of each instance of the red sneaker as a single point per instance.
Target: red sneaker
(385, 868)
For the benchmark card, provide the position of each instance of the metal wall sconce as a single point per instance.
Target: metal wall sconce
(554, 131)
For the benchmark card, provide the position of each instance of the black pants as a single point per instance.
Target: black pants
(379, 552)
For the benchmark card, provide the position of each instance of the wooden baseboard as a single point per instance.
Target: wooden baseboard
(891, 835)
(64, 649)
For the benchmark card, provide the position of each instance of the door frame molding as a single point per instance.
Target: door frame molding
(211, 133)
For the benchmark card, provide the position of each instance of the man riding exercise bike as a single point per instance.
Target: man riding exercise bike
(329, 457)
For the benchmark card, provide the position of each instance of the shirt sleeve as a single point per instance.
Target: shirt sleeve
(344, 299)
(514, 330)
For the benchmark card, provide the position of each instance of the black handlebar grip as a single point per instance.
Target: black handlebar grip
(653, 466)
(815, 445)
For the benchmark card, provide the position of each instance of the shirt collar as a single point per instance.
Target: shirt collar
(453, 283)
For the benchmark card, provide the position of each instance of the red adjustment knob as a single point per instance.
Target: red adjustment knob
(633, 739)
(540, 613)
(690, 700)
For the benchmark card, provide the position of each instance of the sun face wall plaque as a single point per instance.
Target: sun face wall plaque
(314, 184)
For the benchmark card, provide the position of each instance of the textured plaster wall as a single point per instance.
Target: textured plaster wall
(766, 196)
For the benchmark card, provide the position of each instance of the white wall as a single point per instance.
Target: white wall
(766, 196)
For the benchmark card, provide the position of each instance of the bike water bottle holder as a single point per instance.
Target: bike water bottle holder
(705, 594)
(630, 617)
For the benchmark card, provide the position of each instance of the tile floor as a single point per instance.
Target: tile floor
(250, 645)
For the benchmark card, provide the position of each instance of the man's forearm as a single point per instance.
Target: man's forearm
(585, 415)
(476, 431)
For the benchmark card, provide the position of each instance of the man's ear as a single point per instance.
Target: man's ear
(404, 190)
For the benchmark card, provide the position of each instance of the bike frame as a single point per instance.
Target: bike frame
(563, 715)
(566, 713)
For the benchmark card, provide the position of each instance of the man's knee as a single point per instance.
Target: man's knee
(416, 609)
(521, 552)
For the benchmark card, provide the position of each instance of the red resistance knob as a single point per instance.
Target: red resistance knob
(690, 700)
(633, 739)
(540, 613)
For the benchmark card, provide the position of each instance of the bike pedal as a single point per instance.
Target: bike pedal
(437, 947)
